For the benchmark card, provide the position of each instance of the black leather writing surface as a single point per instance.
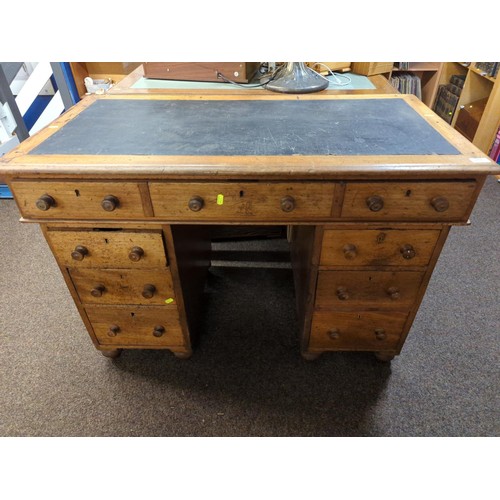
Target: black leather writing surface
(246, 127)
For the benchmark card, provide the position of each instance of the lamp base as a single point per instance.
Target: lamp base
(297, 78)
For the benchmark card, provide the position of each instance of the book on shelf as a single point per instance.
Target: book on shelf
(488, 68)
(495, 149)
(448, 96)
(407, 83)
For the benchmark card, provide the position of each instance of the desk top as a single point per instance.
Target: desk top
(310, 136)
(260, 128)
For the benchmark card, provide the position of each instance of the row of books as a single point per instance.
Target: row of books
(495, 149)
(404, 66)
(407, 83)
(448, 96)
(488, 68)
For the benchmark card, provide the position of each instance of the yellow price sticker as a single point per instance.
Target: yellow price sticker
(169, 301)
(220, 199)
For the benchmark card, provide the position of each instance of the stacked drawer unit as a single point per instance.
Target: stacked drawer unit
(370, 277)
(118, 273)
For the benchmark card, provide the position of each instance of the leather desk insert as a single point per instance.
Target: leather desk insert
(126, 189)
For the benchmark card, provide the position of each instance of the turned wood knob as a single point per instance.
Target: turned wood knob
(136, 254)
(408, 252)
(79, 253)
(196, 203)
(287, 204)
(158, 330)
(98, 290)
(113, 330)
(148, 291)
(334, 333)
(109, 203)
(440, 204)
(375, 203)
(393, 293)
(380, 334)
(45, 202)
(342, 293)
(350, 251)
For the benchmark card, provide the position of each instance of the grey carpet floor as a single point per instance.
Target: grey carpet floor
(246, 377)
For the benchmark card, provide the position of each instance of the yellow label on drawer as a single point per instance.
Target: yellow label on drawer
(220, 199)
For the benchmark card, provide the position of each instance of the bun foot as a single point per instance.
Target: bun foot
(384, 356)
(310, 356)
(112, 353)
(183, 355)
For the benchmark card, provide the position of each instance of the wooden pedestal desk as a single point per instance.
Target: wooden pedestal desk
(125, 189)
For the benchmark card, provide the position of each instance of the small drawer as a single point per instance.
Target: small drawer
(363, 331)
(378, 247)
(124, 286)
(113, 249)
(236, 201)
(78, 200)
(367, 289)
(136, 326)
(417, 201)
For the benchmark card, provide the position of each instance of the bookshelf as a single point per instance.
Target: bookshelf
(480, 97)
(428, 74)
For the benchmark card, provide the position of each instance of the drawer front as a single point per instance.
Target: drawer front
(384, 247)
(136, 326)
(236, 201)
(363, 331)
(422, 201)
(113, 249)
(127, 286)
(78, 200)
(367, 289)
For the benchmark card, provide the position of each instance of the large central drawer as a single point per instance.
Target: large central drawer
(242, 200)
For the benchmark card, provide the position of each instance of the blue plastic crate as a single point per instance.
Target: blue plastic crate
(5, 193)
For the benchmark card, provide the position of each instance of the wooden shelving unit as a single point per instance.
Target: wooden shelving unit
(477, 86)
(429, 73)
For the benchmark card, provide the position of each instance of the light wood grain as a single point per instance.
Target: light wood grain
(108, 248)
(377, 247)
(124, 286)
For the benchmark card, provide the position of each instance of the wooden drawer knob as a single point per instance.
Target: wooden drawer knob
(98, 290)
(79, 253)
(136, 254)
(350, 251)
(342, 293)
(110, 203)
(334, 333)
(380, 334)
(440, 204)
(287, 204)
(408, 252)
(158, 330)
(375, 203)
(45, 202)
(148, 291)
(393, 293)
(196, 203)
(113, 330)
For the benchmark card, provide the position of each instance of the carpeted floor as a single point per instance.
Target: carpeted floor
(246, 377)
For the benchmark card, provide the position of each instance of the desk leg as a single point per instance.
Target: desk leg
(384, 356)
(311, 356)
(112, 353)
